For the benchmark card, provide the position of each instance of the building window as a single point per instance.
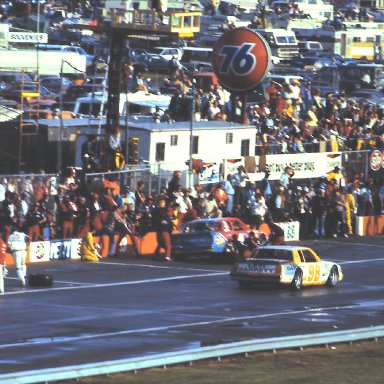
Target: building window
(195, 144)
(229, 138)
(160, 151)
(174, 140)
(244, 148)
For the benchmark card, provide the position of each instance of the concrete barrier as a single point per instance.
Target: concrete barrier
(369, 225)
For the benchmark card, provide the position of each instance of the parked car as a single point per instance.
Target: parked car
(75, 91)
(8, 78)
(15, 91)
(64, 36)
(55, 84)
(168, 52)
(372, 96)
(212, 237)
(286, 265)
(312, 59)
(8, 103)
(152, 63)
(67, 48)
(135, 53)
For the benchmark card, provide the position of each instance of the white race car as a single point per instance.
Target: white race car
(288, 265)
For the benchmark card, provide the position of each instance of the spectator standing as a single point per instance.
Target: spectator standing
(95, 210)
(174, 184)
(17, 242)
(3, 250)
(67, 217)
(221, 198)
(278, 205)
(163, 225)
(306, 97)
(338, 222)
(8, 214)
(350, 209)
(140, 83)
(257, 209)
(140, 197)
(285, 178)
(110, 229)
(239, 182)
(173, 67)
(211, 208)
(127, 198)
(182, 207)
(266, 188)
(318, 208)
(230, 191)
(285, 182)
(365, 204)
(34, 220)
(3, 188)
(83, 219)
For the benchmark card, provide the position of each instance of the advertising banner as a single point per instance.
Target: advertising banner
(75, 248)
(39, 251)
(291, 230)
(376, 160)
(231, 165)
(210, 174)
(305, 165)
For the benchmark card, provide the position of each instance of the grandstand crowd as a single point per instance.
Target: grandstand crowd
(326, 207)
(293, 118)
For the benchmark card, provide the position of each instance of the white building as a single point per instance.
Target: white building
(169, 143)
(164, 145)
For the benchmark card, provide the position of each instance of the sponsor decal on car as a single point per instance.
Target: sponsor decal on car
(248, 267)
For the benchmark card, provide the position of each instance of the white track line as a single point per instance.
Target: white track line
(122, 283)
(168, 266)
(350, 244)
(51, 340)
(360, 261)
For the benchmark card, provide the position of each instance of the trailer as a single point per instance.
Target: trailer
(44, 62)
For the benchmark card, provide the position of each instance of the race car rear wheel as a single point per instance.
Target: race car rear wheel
(297, 281)
(333, 278)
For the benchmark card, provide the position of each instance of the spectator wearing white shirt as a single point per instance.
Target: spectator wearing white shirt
(257, 210)
(3, 188)
(239, 182)
(17, 242)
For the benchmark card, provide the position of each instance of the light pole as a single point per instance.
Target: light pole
(192, 125)
(59, 143)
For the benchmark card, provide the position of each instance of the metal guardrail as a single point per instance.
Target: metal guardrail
(187, 356)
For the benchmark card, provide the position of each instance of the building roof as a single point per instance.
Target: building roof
(145, 123)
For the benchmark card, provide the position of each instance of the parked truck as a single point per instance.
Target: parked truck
(44, 62)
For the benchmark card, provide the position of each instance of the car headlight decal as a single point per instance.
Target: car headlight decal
(220, 240)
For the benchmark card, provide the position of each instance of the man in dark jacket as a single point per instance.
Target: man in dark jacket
(163, 225)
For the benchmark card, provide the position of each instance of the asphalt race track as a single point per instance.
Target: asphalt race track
(123, 308)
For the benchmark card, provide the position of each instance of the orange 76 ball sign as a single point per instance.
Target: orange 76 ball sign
(241, 59)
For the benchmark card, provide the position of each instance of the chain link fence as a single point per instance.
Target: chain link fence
(155, 176)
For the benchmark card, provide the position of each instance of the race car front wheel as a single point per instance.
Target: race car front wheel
(297, 281)
(333, 278)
